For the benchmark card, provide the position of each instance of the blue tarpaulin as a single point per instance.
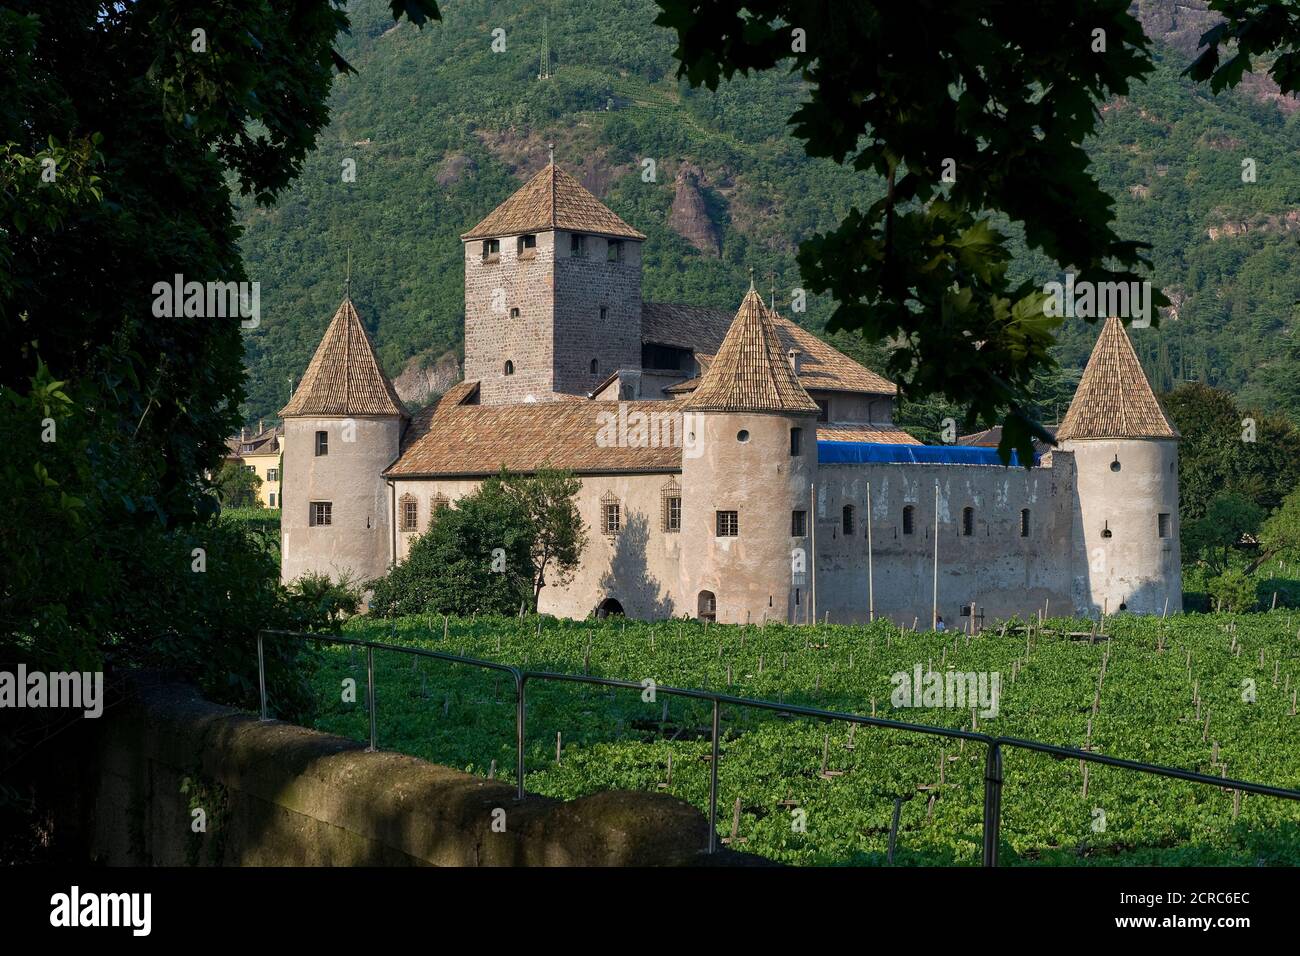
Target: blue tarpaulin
(855, 452)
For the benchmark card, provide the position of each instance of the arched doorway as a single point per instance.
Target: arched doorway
(609, 608)
(707, 607)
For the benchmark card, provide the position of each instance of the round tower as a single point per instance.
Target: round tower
(342, 428)
(747, 465)
(1126, 528)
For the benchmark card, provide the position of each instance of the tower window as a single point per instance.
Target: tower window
(322, 443)
(514, 313)
(321, 514)
(796, 436)
(1105, 531)
(577, 245)
(491, 250)
(1162, 525)
(604, 313)
(1024, 522)
(526, 247)
(1114, 465)
(848, 520)
(595, 367)
(967, 521)
(823, 409)
(798, 524)
(615, 250)
(742, 436)
(909, 514)
(509, 368)
(728, 524)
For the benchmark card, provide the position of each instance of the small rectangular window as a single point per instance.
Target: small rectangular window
(673, 513)
(615, 250)
(273, 474)
(728, 524)
(796, 437)
(848, 520)
(967, 521)
(612, 517)
(798, 524)
(410, 515)
(1024, 523)
(514, 313)
(1162, 525)
(322, 513)
(823, 409)
(604, 313)
(908, 520)
(526, 247)
(491, 250)
(322, 443)
(273, 499)
(577, 245)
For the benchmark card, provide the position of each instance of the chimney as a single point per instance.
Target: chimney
(261, 425)
(795, 359)
(243, 434)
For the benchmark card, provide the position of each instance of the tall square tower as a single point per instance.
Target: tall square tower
(552, 293)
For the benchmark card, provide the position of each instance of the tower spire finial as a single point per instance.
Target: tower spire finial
(347, 282)
(751, 278)
(550, 147)
(772, 276)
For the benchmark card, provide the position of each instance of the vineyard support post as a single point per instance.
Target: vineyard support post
(261, 675)
(370, 694)
(520, 710)
(992, 802)
(713, 784)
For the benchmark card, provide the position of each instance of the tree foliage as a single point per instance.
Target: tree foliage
(474, 558)
(558, 535)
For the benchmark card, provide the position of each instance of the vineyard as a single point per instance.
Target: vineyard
(1215, 694)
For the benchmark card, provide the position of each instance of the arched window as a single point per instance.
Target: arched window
(967, 521)
(848, 520)
(509, 367)
(909, 520)
(595, 366)
(707, 606)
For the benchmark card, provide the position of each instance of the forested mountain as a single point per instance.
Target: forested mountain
(441, 128)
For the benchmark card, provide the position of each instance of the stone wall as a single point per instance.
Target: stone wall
(279, 795)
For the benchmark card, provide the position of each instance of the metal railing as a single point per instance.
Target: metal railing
(993, 770)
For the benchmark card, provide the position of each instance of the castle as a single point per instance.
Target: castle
(734, 468)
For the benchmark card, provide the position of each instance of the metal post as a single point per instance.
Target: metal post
(370, 694)
(713, 785)
(520, 710)
(261, 674)
(812, 558)
(934, 607)
(871, 578)
(992, 802)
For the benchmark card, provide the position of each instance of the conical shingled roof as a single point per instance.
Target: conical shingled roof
(552, 200)
(344, 377)
(1114, 398)
(750, 373)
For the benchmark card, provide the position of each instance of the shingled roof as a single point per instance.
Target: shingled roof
(344, 377)
(700, 329)
(1114, 398)
(581, 436)
(751, 372)
(552, 200)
